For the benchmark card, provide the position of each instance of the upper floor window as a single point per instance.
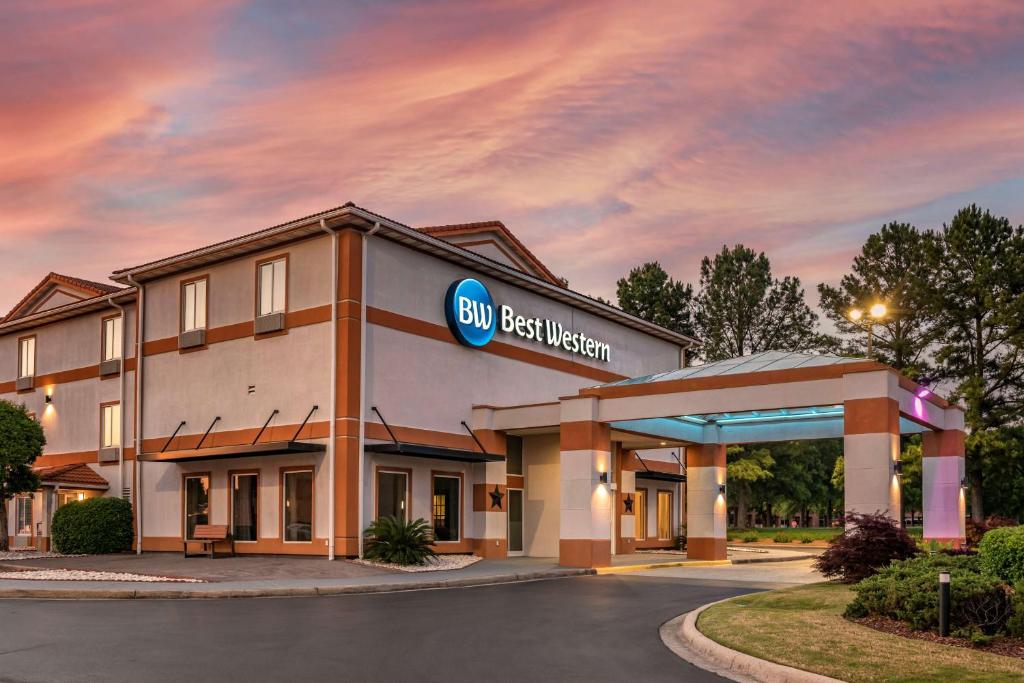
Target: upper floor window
(27, 357)
(112, 336)
(193, 305)
(273, 282)
(110, 425)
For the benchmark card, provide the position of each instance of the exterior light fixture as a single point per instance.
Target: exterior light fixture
(856, 314)
(963, 483)
(602, 477)
(48, 399)
(721, 489)
(878, 311)
(897, 468)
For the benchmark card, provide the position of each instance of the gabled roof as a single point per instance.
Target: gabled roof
(505, 242)
(74, 288)
(70, 475)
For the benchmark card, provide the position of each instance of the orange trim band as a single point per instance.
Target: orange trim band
(585, 436)
(947, 443)
(871, 416)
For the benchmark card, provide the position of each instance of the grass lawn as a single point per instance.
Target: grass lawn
(803, 627)
(798, 535)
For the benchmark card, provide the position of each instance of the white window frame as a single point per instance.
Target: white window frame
(194, 293)
(110, 425)
(19, 500)
(113, 331)
(275, 274)
(26, 357)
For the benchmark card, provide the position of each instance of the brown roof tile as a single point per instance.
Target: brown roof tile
(81, 475)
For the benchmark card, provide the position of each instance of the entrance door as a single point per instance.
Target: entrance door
(515, 522)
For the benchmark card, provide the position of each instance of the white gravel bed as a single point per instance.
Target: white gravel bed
(436, 564)
(86, 575)
(10, 555)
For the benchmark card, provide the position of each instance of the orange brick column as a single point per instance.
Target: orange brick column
(490, 499)
(705, 504)
(585, 506)
(871, 446)
(346, 449)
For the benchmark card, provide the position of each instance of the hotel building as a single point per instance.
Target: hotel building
(298, 382)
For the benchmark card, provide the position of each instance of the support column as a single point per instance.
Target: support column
(490, 499)
(943, 500)
(626, 506)
(871, 446)
(585, 503)
(346, 446)
(706, 513)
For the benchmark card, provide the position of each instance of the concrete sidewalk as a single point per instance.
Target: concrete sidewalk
(276, 576)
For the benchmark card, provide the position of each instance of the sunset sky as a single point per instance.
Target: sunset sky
(603, 134)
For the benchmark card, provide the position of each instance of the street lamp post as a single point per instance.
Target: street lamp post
(875, 313)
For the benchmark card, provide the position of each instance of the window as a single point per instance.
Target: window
(197, 503)
(110, 426)
(664, 515)
(23, 519)
(27, 357)
(193, 305)
(640, 510)
(112, 331)
(65, 496)
(298, 506)
(273, 278)
(392, 494)
(244, 506)
(514, 457)
(446, 507)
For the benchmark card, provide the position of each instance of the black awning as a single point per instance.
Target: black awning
(241, 451)
(660, 476)
(417, 450)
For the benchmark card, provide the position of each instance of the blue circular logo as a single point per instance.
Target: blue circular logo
(469, 310)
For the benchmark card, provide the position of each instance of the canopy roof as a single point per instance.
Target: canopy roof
(757, 362)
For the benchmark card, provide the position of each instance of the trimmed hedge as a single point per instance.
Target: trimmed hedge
(93, 526)
(909, 592)
(1002, 553)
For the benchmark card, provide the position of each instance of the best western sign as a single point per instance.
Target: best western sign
(473, 319)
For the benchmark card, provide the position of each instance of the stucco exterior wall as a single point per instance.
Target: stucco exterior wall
(541, 463)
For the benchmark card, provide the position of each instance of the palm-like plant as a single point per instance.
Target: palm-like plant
(395, 540)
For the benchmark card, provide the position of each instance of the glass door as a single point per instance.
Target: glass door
(515, 522)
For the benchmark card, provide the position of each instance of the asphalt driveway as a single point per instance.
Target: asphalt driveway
(595, 628)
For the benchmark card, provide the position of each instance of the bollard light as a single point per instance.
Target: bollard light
(943, 603)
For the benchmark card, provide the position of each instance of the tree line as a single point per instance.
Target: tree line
(955, 317)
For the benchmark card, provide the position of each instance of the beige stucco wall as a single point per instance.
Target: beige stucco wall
(72, 422)
(542, 496)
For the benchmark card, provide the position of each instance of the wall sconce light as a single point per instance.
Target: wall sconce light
(897, 468)
(721, 489)
(963, 483)
(602, 477)
(48, 399)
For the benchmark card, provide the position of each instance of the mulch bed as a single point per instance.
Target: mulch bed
(1008, 647)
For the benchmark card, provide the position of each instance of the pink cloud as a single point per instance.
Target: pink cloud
(655, 130)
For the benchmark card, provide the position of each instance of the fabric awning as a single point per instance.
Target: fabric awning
(417, 450)
(240, 451)
(660, 476)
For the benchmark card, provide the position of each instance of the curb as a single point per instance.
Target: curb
(298, 592)
(684, 639)
(758, 560)
(662, 565)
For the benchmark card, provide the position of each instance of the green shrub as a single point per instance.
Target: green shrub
(93, 526)
(909, 592)
(781, 538)
(1015, 624)
(870, 542)
(1002, 553)
(750, 537)
(391, 539)
(807, 539)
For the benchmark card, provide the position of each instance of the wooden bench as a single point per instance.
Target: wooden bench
(209, 535)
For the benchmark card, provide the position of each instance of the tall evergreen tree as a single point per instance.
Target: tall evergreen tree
(892, 268)
(649, 293)
(978, 299)
(742, 309)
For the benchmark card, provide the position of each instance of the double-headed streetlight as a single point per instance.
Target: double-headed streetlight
(875, 314)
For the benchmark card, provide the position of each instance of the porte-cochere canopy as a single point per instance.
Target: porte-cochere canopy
(771, 396)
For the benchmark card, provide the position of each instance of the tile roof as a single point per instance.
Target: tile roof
(80, 475)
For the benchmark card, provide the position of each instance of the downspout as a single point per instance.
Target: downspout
(333, 411)
(120, 439)
(362, 384)
(140, 335)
